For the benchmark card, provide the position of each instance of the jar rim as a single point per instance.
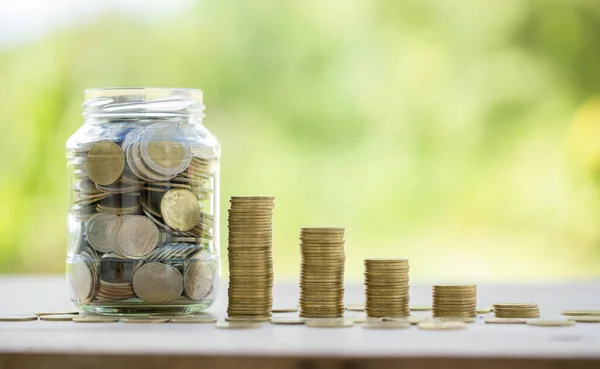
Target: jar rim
(146, 101)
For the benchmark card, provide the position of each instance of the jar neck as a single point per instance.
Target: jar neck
(140, 105)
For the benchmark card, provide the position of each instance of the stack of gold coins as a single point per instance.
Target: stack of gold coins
(516, 310)
(322, 272)
(250, 258)
(386, 288)
(454, 301)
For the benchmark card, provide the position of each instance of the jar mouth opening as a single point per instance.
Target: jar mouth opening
(142, 101)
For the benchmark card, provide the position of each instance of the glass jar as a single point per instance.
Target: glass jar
(143, 197)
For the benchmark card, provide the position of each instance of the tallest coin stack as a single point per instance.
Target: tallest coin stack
(250, 258)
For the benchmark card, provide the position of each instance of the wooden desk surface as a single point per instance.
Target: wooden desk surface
(67, 345)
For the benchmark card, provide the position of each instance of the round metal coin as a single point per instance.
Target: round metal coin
(105, 163)
(157, 282)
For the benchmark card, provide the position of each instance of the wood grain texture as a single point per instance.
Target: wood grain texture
(67, 345)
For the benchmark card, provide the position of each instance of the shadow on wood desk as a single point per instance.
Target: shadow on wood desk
(65, 345)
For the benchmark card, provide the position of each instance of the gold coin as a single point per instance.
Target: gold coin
(105, 163)
(58, 317)
(194, 320)
(330, 323)
(180, 209)
(252, 198)
(484, 310)
(321, 315)
(57, 313)
(581, 312)
(506, 321)
(287, 320)
(389, 324)
(145, 320)
(284, 310)
(550, 322)
(585, 319)
(456, 319)
(95, 319)
(458, 286)
(18, 318)
(433, 325)
(237, 325)
(515, 305)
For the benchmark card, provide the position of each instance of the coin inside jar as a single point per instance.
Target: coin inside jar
(82, 282)
(137, 236)
(180, 209)
(105, 163)
(198, 279)
(157, 282)
(164, 150)
(96, 231)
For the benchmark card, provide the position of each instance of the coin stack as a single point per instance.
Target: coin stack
(454, 300)
(250, 258)
(140, 197)
(516, 310)
(386, 288)
(322, 272)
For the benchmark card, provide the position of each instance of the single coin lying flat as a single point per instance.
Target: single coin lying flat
(506, 321)
(457, 319)
(237, 325)
(194, 319)
(330, 323)
(550, 322)
(441, 326)
(58, 317)
(484, 310)
(145, 320)
(581, 312)
(287, 320)
(248, 318)
(95, 319)
(58, 313)
(18, 318)
(584, 319)
(389, 324)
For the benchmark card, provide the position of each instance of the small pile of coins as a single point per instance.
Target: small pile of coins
(386, 288)
(250, 258)
(516, 310)
(454, 301)
(140, 210)
(322, 272)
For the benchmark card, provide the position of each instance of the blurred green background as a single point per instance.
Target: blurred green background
(462, 135)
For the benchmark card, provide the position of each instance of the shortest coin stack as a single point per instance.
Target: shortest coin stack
(386, 288)
(516, 310)
(250, 258)
(454, 300)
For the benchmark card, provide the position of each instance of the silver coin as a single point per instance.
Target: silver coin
(137, 236)
(164, 149)
(81, 281)
(131, 137)
(157, 283)
(198, 279)
(96, 232)
(137, 166)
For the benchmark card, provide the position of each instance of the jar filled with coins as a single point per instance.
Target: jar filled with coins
(143, 211)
